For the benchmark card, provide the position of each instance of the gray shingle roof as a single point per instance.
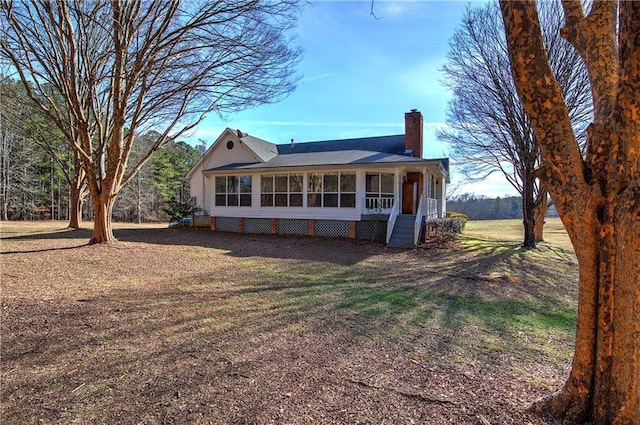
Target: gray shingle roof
(315, 159)
(367, 150)
(265, 150)
(386, 144)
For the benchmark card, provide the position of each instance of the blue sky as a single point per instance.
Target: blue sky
(360, 75)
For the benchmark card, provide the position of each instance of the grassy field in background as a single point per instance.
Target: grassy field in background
(512, 231)
(190, 326)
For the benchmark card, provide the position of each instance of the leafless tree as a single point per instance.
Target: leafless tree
(489, 130)
(123, 68)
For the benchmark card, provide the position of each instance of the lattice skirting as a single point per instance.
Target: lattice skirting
(291, 226)
(375, 230)
(334, 228)
(227, 224)
(257, 225)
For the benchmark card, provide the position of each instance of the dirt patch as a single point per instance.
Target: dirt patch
(193, 327)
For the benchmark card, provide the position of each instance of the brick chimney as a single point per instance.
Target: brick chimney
(413, 132)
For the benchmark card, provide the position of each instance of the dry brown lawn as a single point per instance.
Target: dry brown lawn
(187, 326)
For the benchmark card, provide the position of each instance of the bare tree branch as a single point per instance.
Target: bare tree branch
(489, 129)
(125, 67)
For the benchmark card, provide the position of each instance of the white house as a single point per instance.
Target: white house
(369, 188)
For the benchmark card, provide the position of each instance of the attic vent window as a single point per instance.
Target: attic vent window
(230, 144)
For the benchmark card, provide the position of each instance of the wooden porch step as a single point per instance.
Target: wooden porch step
(402, 236)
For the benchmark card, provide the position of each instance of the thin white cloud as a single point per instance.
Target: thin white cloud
(435, 125)
(318, 77)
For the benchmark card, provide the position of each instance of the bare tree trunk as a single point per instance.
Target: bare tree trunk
(75, 208)
(5, 150)
(539, 212)
(78, 193)
(102, 228)
(528, 212)
(51, 194)
(138, 199)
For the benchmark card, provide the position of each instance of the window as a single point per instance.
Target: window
(281, 190)
(295, 190)
(379, 185)
(331, 190)
(314, 190)
(233, 191)
(379, 191)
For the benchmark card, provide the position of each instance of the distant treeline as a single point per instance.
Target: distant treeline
(478, 207)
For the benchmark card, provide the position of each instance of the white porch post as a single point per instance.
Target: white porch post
(425, 197)
(442, 195)
(398, 190)
(305, 189)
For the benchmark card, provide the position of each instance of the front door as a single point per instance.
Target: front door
(408, 197)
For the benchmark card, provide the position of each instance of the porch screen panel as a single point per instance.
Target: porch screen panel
(314, 190)
(347, 190)
(232, 191)
(266, 191)
(282, 187)
(245, 191)
(330, 190)
(221, 191)
(379, 185)
(386, 185)
(281, 190)
(295, 190)
(372, 184)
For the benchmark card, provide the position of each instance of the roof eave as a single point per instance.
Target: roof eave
(255, 169)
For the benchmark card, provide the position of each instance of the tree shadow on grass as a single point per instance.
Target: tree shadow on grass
(234, 244)
(192, 348)
(58, 239)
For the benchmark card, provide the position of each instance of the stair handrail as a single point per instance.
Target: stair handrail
(392, 220)
(418, 223)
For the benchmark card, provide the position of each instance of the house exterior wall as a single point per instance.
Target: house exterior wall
(218, 155)
(198, 188)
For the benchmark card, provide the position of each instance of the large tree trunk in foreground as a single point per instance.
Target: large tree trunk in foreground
(102, 229)
(604, 382)
(597, 198)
